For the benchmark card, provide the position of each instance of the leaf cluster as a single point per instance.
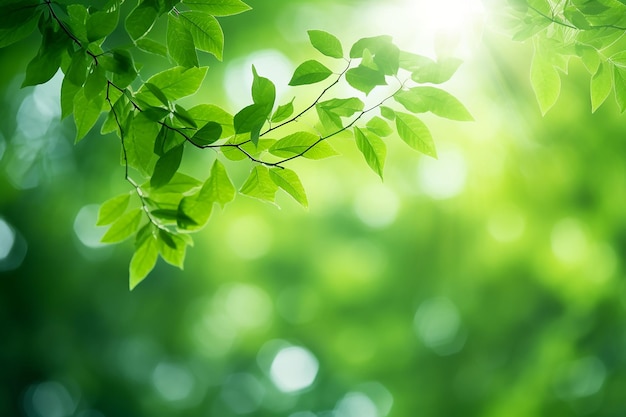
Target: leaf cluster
(165, 205)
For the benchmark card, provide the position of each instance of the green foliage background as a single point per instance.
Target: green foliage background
(504, 297)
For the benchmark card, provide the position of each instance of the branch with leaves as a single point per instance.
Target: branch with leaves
(593, 31)
(165, 206)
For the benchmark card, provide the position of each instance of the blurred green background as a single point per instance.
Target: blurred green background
(489, 282)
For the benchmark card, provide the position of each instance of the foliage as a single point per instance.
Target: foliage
(592, 31)
(101, 75)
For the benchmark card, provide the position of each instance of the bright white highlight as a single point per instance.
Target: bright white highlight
(443, 178)
(445, 16)
(293, 369)
(85, 226)
(356, 404)
(7, 239)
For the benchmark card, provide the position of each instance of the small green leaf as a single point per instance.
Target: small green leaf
(415, 133)
(139, 143)
(86, 112)
(379, 127)
(219, 188)
(172, 248)
(96, 83)
(302, 143)
(101, 24)
(601, 83)
(206, 32)
(151, 46)
(260, 185)
(175, 83)
(141, 19)
(288, 180)
(373, 44)
(435, 100)
(48, 59)
(251, 119)
(364, 78)
(208, 134)
(166, 167)
(283, 112)
(545, 81)
(124, 227)
(143, 261)
(331, 111)
(180, 43)
(112, 209)
(326, 43)
(77, 70)
(19, 19)
(436, 72)
(310, 72)
(387, 113)
(183, 115)
(205, 113)
(373, 149)
(619, 76)
(156, 91)
(218, 7)
(68, 92)
(263, 91)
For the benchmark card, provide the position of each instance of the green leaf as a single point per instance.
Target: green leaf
(310, 72)
(387, 113)
(156, 92)
(96, 83)
(208, 134)
(120, 63)
(379, 127)
(78, 15)
(143, 261)
(218, 188)
(48, 59)
(436, 72)
(175, 83)
(194, 212)
(373, 149)
(86, 113)
(545, 81)
(124, 227)
(18, 20)
(77, 70)
(141, 19)
(184, 117)
(365, 79)
(601, 84)
(101, 24)
(435, 100)
(68, 92)
(619, 76)
(331, 111)
(180, 43)
(206, 32)
(205, 113)
(288, 180)
(112, 209)
(387, 59)
(251, 119)
(139, 142)
(302, 143)
(166, 167)
(172, 248)
(415, 133)
(373, 44)
(326, 43)
(218, 7)
(151, 46)
(283, 112)
(260, 185)
(263, 91)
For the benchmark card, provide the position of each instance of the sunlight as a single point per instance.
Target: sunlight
(448, 17)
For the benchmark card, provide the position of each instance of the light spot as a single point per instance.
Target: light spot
(442, 178)
(506, 225)
(580, 378)
(269, 63)
(376, 205)
(447, 17)
(173, 382)
(85, 226)
(247, 306)
(303, 414)
(379, 395)
(242, 393)
(293, 369)
(7, 239)
(438, 324)
(356, 404)
(249, 237)
(569, 241)
(49, 399)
